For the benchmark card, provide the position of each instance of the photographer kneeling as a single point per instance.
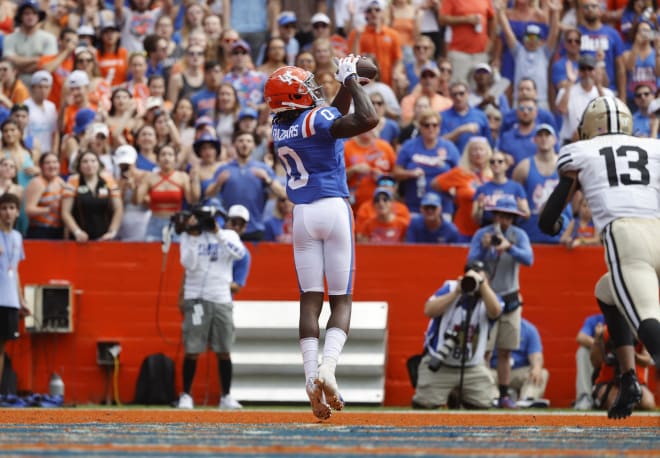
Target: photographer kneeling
(460, 307)
(207, 255)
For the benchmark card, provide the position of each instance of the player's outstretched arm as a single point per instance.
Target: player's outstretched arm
(364, 117)
(550, 219)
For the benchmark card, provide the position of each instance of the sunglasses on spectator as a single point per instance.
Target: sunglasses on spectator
(589, 6)
(585, 69)
(238, 52)
(575, 41)
(496, 161)
(428, 208)
(195, 53)
(494, 118)
(432, 125)
(525, 108)
(85, 61)
(381, 199)
(639, 95)
(372, 10)
(230, 41)
(320, 25)
(420, 47)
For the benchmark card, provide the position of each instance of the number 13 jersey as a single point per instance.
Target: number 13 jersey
(619, 175)
(312, 157)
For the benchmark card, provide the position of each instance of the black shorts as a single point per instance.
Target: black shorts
(8, 323)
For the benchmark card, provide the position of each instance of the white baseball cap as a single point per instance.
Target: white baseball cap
(42, 76)
(125, 154)
(239, 211)
(77, 78)
(98, 128)
(320, 17)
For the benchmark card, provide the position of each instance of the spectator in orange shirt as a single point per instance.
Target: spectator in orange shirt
(382, 43)
(13, 89)
(60, 64)
(367, 210)
(366, 158)
(112, 59)
(385, 226)
(462, 181)
(75, 97)
(428, 86)
(472, 25)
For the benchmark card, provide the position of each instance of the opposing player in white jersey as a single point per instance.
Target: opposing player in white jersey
(620, 177)
(308, 137)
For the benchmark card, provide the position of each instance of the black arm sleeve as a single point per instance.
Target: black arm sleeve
(550, 218)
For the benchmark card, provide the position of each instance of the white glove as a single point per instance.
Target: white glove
(346, 66)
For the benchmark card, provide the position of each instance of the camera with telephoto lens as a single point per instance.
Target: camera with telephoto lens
(205, 216)
(470, 285)
(451, 339)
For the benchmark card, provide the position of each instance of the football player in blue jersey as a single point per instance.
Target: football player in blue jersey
(308, 137)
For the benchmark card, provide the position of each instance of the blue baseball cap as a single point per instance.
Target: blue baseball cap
(545, 127)
(84, 117)
(248, 112)
(286, 18)
(385, 191)
(431, 199)
(505, 205)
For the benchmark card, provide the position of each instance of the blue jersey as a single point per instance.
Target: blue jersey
(312, 157)
(418, 232)
(495, 191)
(538, 188)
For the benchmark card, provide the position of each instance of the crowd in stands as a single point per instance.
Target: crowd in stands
(116, 115)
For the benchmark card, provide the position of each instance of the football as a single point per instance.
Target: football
(366, 68)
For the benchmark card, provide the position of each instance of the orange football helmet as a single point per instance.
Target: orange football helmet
(292, 88)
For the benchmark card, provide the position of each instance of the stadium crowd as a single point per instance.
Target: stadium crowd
(474, 99)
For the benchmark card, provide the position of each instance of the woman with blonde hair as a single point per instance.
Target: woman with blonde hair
(99, 88)
(193, 18)
(227, 39)
(8, 177)
(226, 113)
(461, 182)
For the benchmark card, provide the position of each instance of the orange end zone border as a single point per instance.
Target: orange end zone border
(382, 418)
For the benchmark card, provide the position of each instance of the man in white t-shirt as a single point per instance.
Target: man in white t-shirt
(573, 99)
(42, 123)
(138, 20)
(207, 255)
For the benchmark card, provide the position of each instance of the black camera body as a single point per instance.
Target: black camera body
(451, 339)
(205, 216)
(495, 240)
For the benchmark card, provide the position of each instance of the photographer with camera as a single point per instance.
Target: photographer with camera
(207, 255)
(455, 341)
(502, 247)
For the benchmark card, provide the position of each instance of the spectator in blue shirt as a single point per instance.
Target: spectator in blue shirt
(204, 100)
(528, 377)
(429, 226)
(246, 182)
(527, 90)
(518, 141)
(644, 95)
(461, 122)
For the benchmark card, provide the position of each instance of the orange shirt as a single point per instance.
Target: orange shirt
(378, 231)
(464, 37)
(367, 211)
(465, 184)
(438, 103)
(70, 117)
(385, 46)
(114, 66)
(59, 76)
(381, 158)
(18, 93)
